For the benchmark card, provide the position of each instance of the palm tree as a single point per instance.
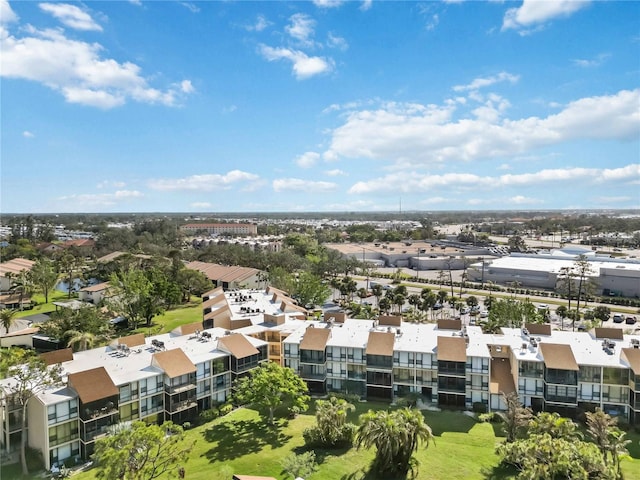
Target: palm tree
(82, 340)
(7, 318)
(561, 311)
(514, 417)
(362, 294)
(414, 300)
(396, 436)
(377, 291)
(331, 417)
(603, 430)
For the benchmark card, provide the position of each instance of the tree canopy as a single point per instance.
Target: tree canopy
(269, 386)
(142, 452)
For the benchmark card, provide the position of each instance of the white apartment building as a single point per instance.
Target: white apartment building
(220, 228)
(457, 366)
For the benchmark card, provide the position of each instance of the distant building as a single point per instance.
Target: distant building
(220, 228)
(13, 269)
(228, 277)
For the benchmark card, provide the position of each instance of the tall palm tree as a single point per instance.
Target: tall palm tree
(605, 433)
(377, 292)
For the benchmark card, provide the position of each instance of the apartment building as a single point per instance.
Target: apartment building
(166, 377)
(456, 366)
(220, 228)
(171, 376)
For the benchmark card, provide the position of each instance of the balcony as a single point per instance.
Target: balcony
(562, 399)
(105, 411)
(185, 387)
(96, 434)
(307, 356)
(180, 406)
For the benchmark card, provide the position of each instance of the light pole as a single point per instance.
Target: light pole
(366, 269)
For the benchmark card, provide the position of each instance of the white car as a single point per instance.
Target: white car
(484, 313)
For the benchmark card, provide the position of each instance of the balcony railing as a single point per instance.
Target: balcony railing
(180, 406)
(103, 412)
(185, 387)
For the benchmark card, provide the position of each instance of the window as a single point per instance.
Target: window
(62, 411)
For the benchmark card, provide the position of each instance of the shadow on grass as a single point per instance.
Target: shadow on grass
(499, 472)
(239, 438)
(449, 421)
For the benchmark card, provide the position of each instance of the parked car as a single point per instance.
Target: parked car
(437, 306)
(617, 318)
(465, 310)
(484, 314)
(630, 320)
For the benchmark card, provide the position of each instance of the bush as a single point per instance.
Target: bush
(210, 414)
(301, 465)
(479, 407)
(225, 409)
(186, 425)
(313, 437)
(349, 397)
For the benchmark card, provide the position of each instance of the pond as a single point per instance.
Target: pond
(78, 283)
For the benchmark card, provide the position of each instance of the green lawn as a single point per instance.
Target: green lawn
(242, 443)
(184, 314)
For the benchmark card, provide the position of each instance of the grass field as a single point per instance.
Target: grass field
(241, 443)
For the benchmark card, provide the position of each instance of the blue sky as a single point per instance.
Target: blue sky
(148, 106)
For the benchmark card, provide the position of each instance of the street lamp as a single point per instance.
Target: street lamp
(365, 268)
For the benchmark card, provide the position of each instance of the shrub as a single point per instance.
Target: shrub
(210, 414)
(479, 407)
(301, 465)
(349, 397)
(225, 408)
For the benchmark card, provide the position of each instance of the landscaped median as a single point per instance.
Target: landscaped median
(241, 442)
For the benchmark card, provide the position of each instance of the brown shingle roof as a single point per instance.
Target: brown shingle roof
(452, 349)
(98, 287)
(501, 376)
(538, 328)
(57, 356)
(338, 317)
(15, 266)
(189, 328)
(449, 324)
(633, 357)
(558, 356)
(238, 346)
(131, 340)
(173, 362)
(390, 320)
(315, 339)
(612, 333)
(380, 343)
(93, 384)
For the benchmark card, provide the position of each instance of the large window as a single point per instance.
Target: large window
(403, 375)
(561, 377)
(312, 356)
(220, 365)
(589, 373)
(615, 376)
(530, 369)
(151, 385)
(451, 368)
(129, 392)
(128, 412)
(62, 411)
(561, 394)
(63, 433)
(379, 361)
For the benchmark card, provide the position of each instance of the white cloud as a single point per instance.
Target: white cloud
(307, 159)
(427, 134)
(7, 15)
(301, 28)
(206, 182)
(298, 184)
(192, 7)
(71, 16)
(109, 183)
(82, 200)
(336, 172)
(432, 22)
(28, 134)
(334, 41)
(415, 182)
(533, 13)
(230, 109)
(620, 199)
(366, 5)
(594, 62)
(504, 166)
(203, 205)
(303, 65)
(186, 86)
(328, 3)
(482, 82)
(259, 25)
(522, 200)
(77, 70)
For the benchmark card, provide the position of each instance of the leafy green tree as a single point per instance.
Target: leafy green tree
(30, 375)
(601, 313)
(129, 294)
(515, 417)
(299, 466)
(142, 452)
(44, 276)
(396, 435)
(192, 282)
(70, 268)
(80, 328)
(310, 289)
(377, 291)
(270, 386)
(331, 427)
(472, 301)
